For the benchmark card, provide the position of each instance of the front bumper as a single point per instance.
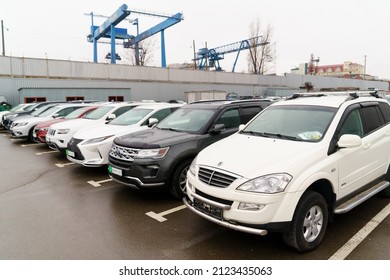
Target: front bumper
(92, 155)
(144, 174)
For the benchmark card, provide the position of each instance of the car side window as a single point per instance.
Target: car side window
(230, 118)
(122, 110)
(352, 124)
(159, 115)
(385, 109)
(372, 119)
(247, 113)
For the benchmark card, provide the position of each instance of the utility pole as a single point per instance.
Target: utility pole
(2, 37)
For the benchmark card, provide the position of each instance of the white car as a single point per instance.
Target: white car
(23, 127)
(90, 146)
(59, 134)
(294, 166)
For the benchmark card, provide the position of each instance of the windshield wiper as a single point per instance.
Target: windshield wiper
(171, 129)
(271, 135)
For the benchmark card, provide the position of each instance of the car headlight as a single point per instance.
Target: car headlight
(96, 140)
(63, 131)
(193, 166)
(21, 124)
(152, 153)
(272, 183)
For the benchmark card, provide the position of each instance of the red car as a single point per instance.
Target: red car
(40, 130)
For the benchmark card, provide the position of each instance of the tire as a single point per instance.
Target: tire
(177, 186)
(309, 223)
(30, 134)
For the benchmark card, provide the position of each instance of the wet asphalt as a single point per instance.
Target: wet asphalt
(51, 209)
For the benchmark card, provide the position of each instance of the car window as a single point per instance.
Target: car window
(160, 115)
(122, 110)
(247, 113)
(230, 118)
(352, 124)
(131, 117)
(187, 119)
(305, 123)
(98, 113)
(372, 119)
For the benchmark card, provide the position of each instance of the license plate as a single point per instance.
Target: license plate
(208, 209)
(70, 153)
(114, 170)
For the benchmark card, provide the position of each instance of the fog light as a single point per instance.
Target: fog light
(250, 206)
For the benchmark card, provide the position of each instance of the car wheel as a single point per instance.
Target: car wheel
(178, 183)
(309, 223)
(30, 134)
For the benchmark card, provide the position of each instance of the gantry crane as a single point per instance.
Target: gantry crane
(108, 30)
(209, 58)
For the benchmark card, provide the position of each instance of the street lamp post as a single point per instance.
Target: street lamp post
(2, 37)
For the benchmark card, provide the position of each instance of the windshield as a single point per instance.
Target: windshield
(131, 117)
(18, 108)
(39, 111)
(98, 113)
(187, 119)
(49, 111)
(303, 123)
(76, 113)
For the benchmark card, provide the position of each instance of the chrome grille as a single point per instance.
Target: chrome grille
(123, 153)
(215, 178)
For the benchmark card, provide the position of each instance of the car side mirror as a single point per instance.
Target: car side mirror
(152, 122)
(349, 141)
(241, 127)
(110, 117)
(218, 128)
(56, 116)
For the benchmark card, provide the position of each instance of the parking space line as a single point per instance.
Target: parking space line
(98, 184)
(44, 153)
(61, 165)
(348, 247)
(30, 145)
(160, 216)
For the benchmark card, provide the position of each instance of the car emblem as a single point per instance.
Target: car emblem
(219, 163)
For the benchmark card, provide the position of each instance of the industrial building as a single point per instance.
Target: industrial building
(28, 79)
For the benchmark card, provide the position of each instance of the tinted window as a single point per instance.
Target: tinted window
(122, 110)
(230, 118)
(247, 113)
(385, 109)
(372, 118)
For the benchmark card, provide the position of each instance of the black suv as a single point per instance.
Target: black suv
(160, 157)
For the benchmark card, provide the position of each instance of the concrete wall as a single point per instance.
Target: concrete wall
(146, 82)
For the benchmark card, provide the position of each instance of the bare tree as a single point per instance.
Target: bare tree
(260, 56)
(145, 53)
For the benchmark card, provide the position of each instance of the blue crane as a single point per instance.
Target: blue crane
(209, 58)
(109, 30)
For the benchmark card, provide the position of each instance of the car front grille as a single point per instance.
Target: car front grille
(72, 146)
(123, 153)
(215, 178)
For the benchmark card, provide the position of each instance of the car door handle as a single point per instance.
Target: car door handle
(367, 146)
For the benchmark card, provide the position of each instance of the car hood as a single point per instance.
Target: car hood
(253, 156)
(154, 138)
(76, 123)
(102, 130)
(49, 122)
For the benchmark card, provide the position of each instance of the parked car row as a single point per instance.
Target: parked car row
(255, 166)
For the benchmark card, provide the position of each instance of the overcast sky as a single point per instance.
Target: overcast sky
(334, 30)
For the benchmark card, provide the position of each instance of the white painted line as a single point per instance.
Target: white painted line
(44, 153)
(160, 216)
(61, 165)
(29, 145)
(98, 184)
(348, 247)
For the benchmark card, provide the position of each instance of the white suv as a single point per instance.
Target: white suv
(90, 146)
(59, 134)
(294, 166)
